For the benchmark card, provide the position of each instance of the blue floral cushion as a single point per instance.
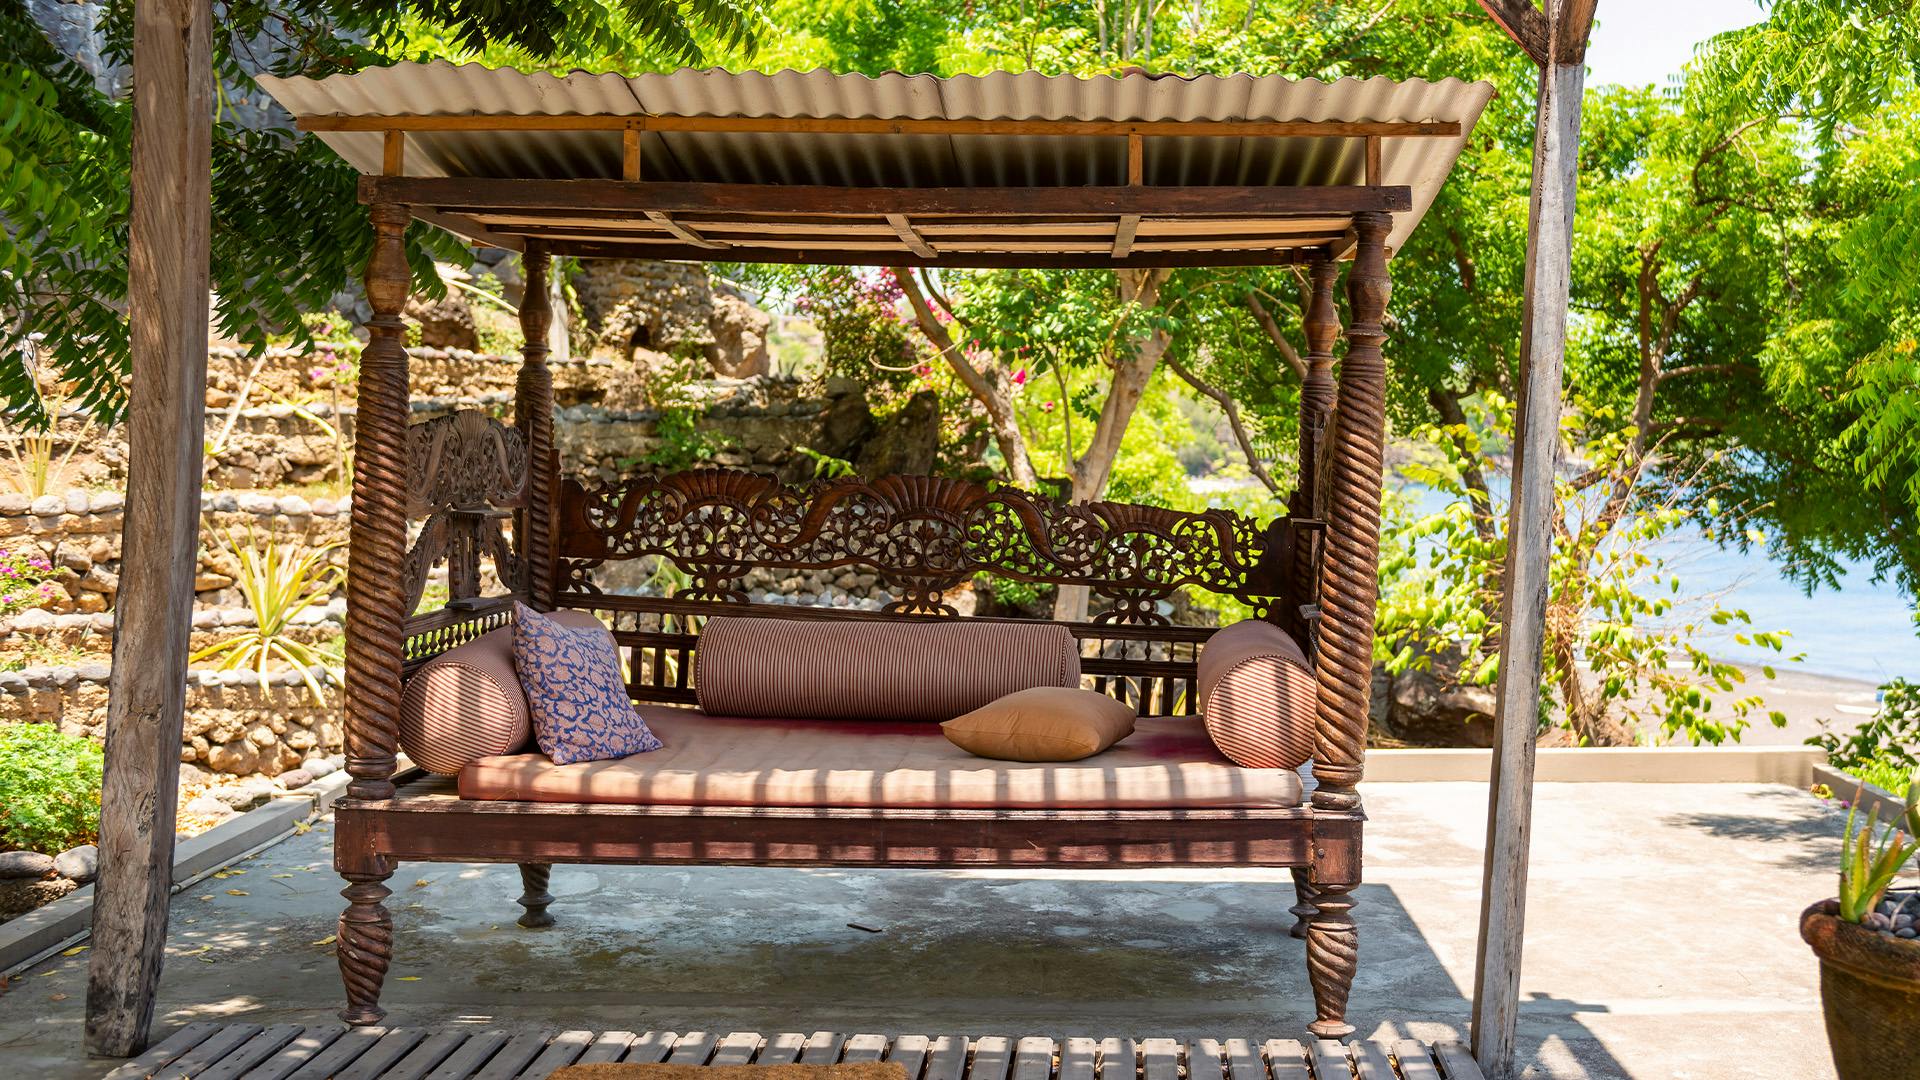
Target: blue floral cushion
(575, 696)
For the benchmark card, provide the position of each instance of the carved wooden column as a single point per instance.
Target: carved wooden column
(533, 413)
(1349, 591)
(377, 547)
(377, 538)
(1321, 321)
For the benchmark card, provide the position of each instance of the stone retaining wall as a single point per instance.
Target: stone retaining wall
(233, 726)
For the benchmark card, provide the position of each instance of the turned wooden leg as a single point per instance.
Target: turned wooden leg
(1303, 894)
(1333, 952)
(535, 897)
(365, 946)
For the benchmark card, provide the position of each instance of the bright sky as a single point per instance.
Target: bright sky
(1645, 41)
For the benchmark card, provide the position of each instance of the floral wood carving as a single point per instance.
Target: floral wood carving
(924, 535)
(467, 473)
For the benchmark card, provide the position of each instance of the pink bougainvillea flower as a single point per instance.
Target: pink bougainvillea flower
(1020, 377)
(1046, 406)
(925, 371)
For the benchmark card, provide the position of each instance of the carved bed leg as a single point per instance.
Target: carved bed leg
(535, 897)
(1303, 894)
(1333, 952)
(365, 944)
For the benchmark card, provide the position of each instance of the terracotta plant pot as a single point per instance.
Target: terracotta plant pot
(1870, 987)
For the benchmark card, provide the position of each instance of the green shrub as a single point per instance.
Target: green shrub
(1883, 750)
(49, 788)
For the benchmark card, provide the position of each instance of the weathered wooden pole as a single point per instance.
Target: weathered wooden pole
(167, 313)
(1557, 40)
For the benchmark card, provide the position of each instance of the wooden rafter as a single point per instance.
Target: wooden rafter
(1524, 23)
(686, 235)
(1123, 234)
(915, 243)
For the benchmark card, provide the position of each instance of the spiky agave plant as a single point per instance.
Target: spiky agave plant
(279, 582)
(1871, 857)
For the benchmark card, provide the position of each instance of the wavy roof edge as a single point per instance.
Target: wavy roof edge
(442, 88)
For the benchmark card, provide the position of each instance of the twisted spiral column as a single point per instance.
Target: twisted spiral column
(377, 538)
(1303, 893)
(1321, 322)
(533, 413)
(1349, 583)
(534, 878)
(1333, 954)
(365, 946)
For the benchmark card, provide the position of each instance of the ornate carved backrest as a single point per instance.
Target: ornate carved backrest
(466, 474)
(925, 535)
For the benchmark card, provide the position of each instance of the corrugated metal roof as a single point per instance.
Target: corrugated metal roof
(441, 88)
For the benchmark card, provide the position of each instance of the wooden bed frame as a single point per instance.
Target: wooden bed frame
(460, 479)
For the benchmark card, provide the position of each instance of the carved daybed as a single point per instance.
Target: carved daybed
(870, 185)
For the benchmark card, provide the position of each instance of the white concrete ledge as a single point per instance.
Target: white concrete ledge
(39, 933)
(1791, 765)
(1852, 789)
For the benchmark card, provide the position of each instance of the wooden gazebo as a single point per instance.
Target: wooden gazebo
(1135, 172)
(900, 170)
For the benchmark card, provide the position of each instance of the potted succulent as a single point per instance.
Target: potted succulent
(1868, 941)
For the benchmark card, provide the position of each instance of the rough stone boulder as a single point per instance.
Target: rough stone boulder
(906, 443)
(444, 324)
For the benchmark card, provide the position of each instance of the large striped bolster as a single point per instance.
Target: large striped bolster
(874, 670)
(1257, 696)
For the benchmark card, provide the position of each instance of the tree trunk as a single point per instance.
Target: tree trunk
(1557, 42)
(166, 430)
(1132, 370)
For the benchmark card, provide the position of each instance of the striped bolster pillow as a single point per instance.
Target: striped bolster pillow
(848, 670)
(1257, 696)
(467, 703)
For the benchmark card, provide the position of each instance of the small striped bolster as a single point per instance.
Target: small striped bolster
(467, 703)
(920, 671)
(1257, 696)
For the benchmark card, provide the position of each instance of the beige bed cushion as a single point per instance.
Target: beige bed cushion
(1168, 762)
(1257, 692)
(853, 670)
(467, 702)
(1042, 723)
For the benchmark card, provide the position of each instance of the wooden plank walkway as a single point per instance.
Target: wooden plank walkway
(332, 1052)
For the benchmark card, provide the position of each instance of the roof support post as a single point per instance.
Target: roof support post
(376, 615)
(533, 414)
(377, 536)
(1321, 324)
(1557, 40)
(1349, 591)
(146, 704)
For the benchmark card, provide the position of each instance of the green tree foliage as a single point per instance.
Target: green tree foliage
(287, 229)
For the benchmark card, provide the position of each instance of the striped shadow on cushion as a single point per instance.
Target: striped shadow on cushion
(857, 670)
(1256, 694)
(467, 703)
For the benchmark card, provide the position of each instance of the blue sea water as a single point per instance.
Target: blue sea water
(1862, 630)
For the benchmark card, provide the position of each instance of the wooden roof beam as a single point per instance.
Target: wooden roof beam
(806, 125)
(454, 193)
(1096, 260)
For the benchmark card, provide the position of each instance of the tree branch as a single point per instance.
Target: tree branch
(1232, 410)
(1287, 352)
(991, 396)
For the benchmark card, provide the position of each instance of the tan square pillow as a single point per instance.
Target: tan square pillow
(1044, 723)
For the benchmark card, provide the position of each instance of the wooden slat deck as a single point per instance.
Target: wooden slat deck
(330, 1052)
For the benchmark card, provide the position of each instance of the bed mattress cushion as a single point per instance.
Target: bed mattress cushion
(1168, 762)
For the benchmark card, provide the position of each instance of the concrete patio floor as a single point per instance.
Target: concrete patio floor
(1661, 943)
